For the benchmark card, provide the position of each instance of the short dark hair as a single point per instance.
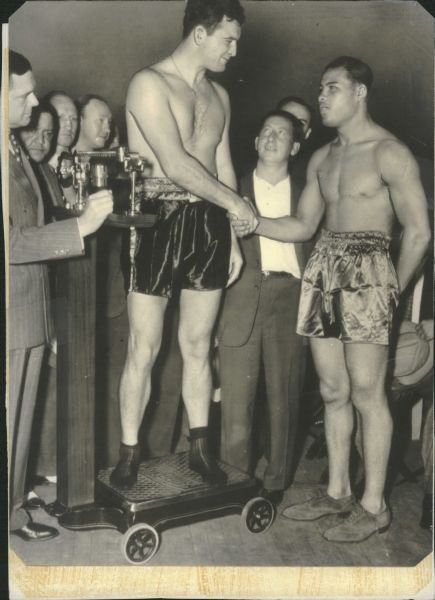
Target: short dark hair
(43, 107)
(210, 13)
(357, 70)
(295, 100)
(18, 64)
(83, 101)
(298, 134)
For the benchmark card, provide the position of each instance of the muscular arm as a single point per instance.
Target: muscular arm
(148, 104)
(303, 226)
(400, 172)
(225, 173)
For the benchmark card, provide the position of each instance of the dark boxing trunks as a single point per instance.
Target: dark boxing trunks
(349, 288)
(188, 247)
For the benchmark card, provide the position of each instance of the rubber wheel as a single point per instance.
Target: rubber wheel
(258, 514)
(140, 543)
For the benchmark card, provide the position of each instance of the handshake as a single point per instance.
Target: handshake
(244, 219)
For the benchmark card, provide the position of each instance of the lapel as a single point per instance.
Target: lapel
(35, 186)
(247, 189)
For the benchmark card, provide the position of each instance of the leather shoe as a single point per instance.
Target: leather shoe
(36, 532)
(359, 525)
(274, 496)
(318, 506)
(34, 503)
(124, 475)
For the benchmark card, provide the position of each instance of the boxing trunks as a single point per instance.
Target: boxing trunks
(187, 248)
(349, 288)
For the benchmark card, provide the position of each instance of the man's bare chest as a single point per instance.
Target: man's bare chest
(200, 117)
(350, 174)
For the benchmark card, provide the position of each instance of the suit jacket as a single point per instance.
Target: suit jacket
(30, 244)
(241, 299)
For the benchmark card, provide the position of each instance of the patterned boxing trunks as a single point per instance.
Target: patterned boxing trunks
(349, 289)
(187, 248)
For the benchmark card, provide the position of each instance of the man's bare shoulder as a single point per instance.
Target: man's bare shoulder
(394, 158)
(319, 156)
(153, 78)
(221, 92)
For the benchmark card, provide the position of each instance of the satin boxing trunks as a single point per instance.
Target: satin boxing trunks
(349, 288)
(187, 248)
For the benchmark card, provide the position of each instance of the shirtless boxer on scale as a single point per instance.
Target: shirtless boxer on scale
(179, 120)
(361, 181)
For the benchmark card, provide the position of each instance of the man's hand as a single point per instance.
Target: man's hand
(244, 218)
(236, 261)
(245, 211)
(98, 207)
(242, 227)
(425, 329)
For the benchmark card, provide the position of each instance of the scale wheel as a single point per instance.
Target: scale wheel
(140, 543)
(258, 514)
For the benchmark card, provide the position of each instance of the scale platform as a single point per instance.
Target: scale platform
(168, 493)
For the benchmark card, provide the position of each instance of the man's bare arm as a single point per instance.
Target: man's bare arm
(148, 104)
(303, 226)
(399, 170)
(226, 174)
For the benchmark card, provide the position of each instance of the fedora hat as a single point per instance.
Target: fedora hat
(413, 358)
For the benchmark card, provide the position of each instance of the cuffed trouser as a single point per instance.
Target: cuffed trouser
(274, 341)
(24, 371)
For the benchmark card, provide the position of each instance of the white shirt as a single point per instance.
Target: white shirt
(275, 201)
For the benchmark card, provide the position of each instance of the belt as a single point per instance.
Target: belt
(276, 274)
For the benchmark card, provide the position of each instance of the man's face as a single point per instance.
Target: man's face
(302, 114)
(338, 97)
(68, 120)
(221, 45)
(95, 124)
(37, 142)
(274, 143)
(22, 99)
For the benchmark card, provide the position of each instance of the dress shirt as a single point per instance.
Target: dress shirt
(274, 201)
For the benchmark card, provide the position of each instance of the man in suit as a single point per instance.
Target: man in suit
(31, 243)
(258, 321)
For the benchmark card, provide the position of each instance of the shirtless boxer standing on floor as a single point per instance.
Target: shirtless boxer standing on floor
(361, 181)
(179, 120)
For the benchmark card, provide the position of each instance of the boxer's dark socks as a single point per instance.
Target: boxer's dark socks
(125, 473)
(200, 459)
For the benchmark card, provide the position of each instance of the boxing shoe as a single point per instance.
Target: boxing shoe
(124, 474)
(35, 532)
(201, 461)
(318, 506)
(359, 525)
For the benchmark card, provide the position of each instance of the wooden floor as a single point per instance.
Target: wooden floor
(226, 540)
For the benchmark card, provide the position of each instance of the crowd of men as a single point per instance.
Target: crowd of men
(240, 250)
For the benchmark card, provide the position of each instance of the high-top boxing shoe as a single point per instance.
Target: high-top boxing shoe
(125, 473)
(200, 459)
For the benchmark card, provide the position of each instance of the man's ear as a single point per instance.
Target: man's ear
(199, 34)
(361, 91)
(256, 143)
(295, 149)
